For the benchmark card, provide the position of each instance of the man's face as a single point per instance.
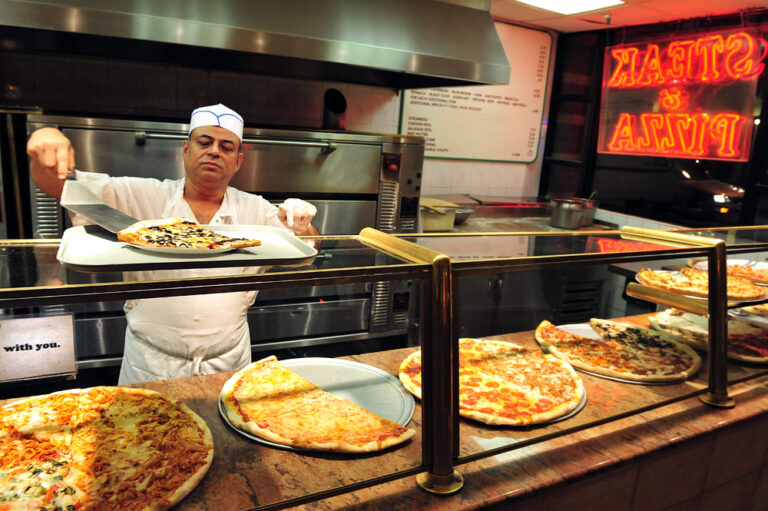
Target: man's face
(212, 156)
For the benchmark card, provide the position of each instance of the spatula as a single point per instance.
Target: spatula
(77, 198)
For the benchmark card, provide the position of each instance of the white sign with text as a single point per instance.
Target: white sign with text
(36, 347)
(487, 122)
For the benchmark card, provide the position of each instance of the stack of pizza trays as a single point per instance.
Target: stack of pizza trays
(501, 383)
(621, 351)
(103, 448)
(746, 342)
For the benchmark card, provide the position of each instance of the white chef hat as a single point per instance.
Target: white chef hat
(217, 115)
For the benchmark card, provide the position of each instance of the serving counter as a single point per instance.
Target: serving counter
(621, 431)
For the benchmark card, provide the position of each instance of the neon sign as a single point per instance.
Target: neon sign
(684, 98)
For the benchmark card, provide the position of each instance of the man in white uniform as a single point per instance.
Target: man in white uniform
(187, 335)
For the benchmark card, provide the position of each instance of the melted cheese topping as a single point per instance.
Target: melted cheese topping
(126, 449)
(281, 406)
(502, 383)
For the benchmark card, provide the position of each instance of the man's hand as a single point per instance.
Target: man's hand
(50, 157)
(297, 214)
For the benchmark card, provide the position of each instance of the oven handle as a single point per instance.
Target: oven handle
(327, 147)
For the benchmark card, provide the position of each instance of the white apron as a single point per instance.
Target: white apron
(178, 336)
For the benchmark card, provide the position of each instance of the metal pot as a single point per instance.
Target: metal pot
(567, 213)
(590, 207)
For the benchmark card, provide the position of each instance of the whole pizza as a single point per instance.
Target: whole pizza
(621, 351)
(180, 233)
(695, 282)
(745, 342)
(100, 449)
(501, 383)
(750, 270)
(270, 401)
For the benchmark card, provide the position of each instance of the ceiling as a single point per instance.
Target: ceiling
(633, 12)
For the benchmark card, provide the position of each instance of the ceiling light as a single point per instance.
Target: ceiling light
(571, 7)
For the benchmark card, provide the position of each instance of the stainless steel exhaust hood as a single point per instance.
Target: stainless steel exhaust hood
(394, 43)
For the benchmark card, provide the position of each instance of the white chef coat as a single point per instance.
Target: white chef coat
(178, 336)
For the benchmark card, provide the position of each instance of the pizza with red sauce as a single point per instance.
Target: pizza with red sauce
(622, 351)
(501, 383)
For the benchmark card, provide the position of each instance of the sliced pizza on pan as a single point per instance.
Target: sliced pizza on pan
(180, 233)
(272, 402)
(695, 282)
(756, 275)
(755, 271)
(501, 383)
(624, 352)
(104, 448)
(745, 342)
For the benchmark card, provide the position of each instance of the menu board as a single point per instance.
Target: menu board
(487, 122)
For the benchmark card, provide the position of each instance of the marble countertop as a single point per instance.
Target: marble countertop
(619, 422)
(246, 474)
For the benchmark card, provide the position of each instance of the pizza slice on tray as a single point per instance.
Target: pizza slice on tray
(180, 233)
(745, 342)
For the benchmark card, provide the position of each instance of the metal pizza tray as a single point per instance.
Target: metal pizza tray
(91, 248)
(369, 387)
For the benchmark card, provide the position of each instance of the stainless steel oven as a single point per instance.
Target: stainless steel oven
(356, 180)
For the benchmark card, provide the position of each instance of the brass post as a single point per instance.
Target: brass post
(440, 386)
(717, 362)
(439, 367)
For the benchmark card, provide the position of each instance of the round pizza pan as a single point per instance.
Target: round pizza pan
(369, 387)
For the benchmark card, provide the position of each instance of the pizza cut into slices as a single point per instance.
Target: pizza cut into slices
(272, 402)
(745, 342)
(104, 448)
(180, 233)
(755, 274)
(622, 351)
(695, 282)
(503, 384)
(750, 270)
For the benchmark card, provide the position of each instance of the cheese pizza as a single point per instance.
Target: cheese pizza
(745, 342)
(621, 351)
(501, 383)
(695, 282)
(103, 448)
(180, 233)
(750, 270)
(272, 402)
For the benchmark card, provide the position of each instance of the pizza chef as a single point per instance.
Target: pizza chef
(181, 336)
